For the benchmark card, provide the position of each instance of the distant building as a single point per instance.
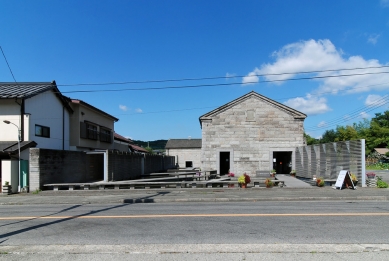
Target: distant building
(186, 151)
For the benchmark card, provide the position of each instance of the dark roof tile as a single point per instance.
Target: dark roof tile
(183, 143)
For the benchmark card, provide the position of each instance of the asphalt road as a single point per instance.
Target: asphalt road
(193, 223)
(191, 231)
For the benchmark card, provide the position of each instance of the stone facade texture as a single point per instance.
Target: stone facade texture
(251, 128)
(190, 154)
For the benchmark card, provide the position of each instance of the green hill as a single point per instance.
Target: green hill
(155, 145)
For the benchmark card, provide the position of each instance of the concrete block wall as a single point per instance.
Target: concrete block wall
(251, 130)
(56, 166)
(169, 162)
(124, 166)
(155, 163)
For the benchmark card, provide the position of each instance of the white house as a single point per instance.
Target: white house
(44, 118)
(37, 115)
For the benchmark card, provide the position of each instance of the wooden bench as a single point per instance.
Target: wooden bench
(133, 184)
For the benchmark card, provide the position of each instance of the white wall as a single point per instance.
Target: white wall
(184, 155)
(9, 110)
(10, 173)
(46, 110)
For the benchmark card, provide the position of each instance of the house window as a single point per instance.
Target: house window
(188, 164)
(91, 131)
(42, 131)
(105, 135)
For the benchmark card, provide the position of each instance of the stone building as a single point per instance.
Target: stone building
(249, 134)
(186, 151)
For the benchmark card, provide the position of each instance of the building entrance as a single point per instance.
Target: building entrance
(282, 161)
(224, 165)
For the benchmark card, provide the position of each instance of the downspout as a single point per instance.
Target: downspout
(21, 123)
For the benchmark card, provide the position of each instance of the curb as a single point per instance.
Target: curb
(361, 198)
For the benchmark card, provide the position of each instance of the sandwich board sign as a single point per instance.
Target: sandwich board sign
(344, 180)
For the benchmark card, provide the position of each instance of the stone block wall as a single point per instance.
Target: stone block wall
(124, 166)
(250, 130)
(158, 163)
(56, 166)
(184, 155)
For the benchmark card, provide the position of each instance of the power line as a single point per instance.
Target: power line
(355, 114)
(9, 67)
(220, 77)
(221, 84)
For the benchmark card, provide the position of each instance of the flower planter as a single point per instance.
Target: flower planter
(7, 190)
(371, 183)
(293, 174)
(243, 185)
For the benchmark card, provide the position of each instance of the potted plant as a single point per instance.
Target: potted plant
(320, 182)
(273, 173)
(244, 180)
(370, 175)
(354, 179)
(231, 175)
(293, 173)
(269, 183)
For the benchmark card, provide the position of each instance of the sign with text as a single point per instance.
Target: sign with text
(344, 180)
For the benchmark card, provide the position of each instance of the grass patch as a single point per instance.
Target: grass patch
(36, 191)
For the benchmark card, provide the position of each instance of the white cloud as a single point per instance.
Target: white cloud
(322, 124)
(123, 107)
(138, 110)
(251, 78)
(364, 115)
(373, 100)
(310, 105)
(322, 55)
(373, 38)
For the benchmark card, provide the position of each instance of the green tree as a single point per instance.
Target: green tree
(310, 140)
(329, 136)
(346, 133)
(150, 150)
(377, 136)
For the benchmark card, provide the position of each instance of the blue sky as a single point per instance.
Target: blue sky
(80, 42)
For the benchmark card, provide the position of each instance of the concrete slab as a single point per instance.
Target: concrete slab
(292, 182)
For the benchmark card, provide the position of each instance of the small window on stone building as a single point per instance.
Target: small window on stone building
(188, 164)
(250, 115)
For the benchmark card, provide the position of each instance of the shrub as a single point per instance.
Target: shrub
(381, 183)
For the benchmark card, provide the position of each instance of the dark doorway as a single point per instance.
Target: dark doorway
(282, 161)
(224, 163)
(95, 167)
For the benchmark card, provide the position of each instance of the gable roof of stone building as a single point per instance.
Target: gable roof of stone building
(295, 113)
(183, 144)
(25, 90)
